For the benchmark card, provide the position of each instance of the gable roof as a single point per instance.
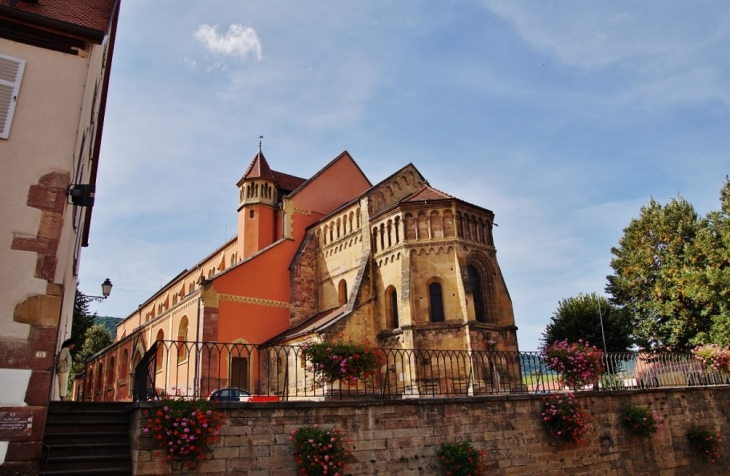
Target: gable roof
(345, 154)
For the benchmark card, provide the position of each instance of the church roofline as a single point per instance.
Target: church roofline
(183, 274)
(365, 193)
(342, 155)
(406, 202)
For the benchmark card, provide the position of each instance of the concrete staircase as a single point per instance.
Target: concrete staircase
(86, 438)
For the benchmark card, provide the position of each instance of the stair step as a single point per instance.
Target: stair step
(88, 449)
(87, 406)
(60, 438)
(98, 462)
(126, 470)
(70, 426)
(84, 438)
(91, 417)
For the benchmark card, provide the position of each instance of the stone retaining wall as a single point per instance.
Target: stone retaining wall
(401, 437)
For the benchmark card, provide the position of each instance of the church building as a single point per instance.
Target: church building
(399, 264)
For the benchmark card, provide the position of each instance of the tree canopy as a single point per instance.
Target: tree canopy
(97, 337)
(579, 317)
(672, 274)
(82, 319)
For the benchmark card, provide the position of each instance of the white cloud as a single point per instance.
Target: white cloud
(218, 66)
(190, 62)
(238, 41)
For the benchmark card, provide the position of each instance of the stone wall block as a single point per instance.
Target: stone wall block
(46, 198)
(45, 267)
(38, 388)
(35, 244)
(39, 310)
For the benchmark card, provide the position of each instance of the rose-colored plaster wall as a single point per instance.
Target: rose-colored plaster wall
(338, 184)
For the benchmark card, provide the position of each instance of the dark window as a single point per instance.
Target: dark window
(160, 350)
(251, 213)
(478, 291)
(239, 372)
(436, 301)
(394, 308)
(342, 293)
(391, 307)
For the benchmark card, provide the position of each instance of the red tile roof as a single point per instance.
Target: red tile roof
(259, 168)
(310, 325)
(427, 193)
(286, 181)
(93, 14)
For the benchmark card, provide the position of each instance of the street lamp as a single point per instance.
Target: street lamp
(106, 289)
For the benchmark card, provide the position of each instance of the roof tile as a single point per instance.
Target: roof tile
(93, 14)
(427, 193)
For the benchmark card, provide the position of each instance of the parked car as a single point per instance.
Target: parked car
(229, 395)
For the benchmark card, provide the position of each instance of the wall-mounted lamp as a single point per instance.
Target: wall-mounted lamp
(82, 195)
(106, 290)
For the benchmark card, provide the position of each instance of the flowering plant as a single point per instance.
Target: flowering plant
(184, 429)
(342, 360)
(461, 459)
(319, 452)
(579, 363)
(706, 441)
(642, 421)
(713, 356)
(564, 418)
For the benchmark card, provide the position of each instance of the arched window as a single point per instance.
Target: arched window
(123, 367)
(110, 373)
(342, 293)
(160, 350)
(90, 384)
(99, 376)
(391, 307)
(182, 336)
(436, 303)
(478, 291)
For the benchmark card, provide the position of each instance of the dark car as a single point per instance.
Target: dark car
(229, 395)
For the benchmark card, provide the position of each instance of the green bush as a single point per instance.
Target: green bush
(318, 451)
(642, 421)
(706, 441)
(460, 459)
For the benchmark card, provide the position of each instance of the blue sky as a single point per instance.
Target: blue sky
(564, 118)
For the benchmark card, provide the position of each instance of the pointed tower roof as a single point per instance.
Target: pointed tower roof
(258, 168)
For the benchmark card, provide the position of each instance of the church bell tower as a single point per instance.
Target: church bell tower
(257, 199)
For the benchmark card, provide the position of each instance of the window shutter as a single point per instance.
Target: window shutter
(11, 73)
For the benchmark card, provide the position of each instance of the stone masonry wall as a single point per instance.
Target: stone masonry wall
(401, 437)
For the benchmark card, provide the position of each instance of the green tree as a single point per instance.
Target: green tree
(710, 278)
(579, 317)
(97, 337)
(671, 273)
(82, 319)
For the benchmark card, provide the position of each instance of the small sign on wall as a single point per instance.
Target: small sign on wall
(16, 423)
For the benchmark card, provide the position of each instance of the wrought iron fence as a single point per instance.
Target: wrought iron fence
(189, 369)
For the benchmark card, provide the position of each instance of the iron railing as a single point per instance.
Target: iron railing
(189, 369)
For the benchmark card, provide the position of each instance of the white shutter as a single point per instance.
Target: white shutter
(11, 73)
